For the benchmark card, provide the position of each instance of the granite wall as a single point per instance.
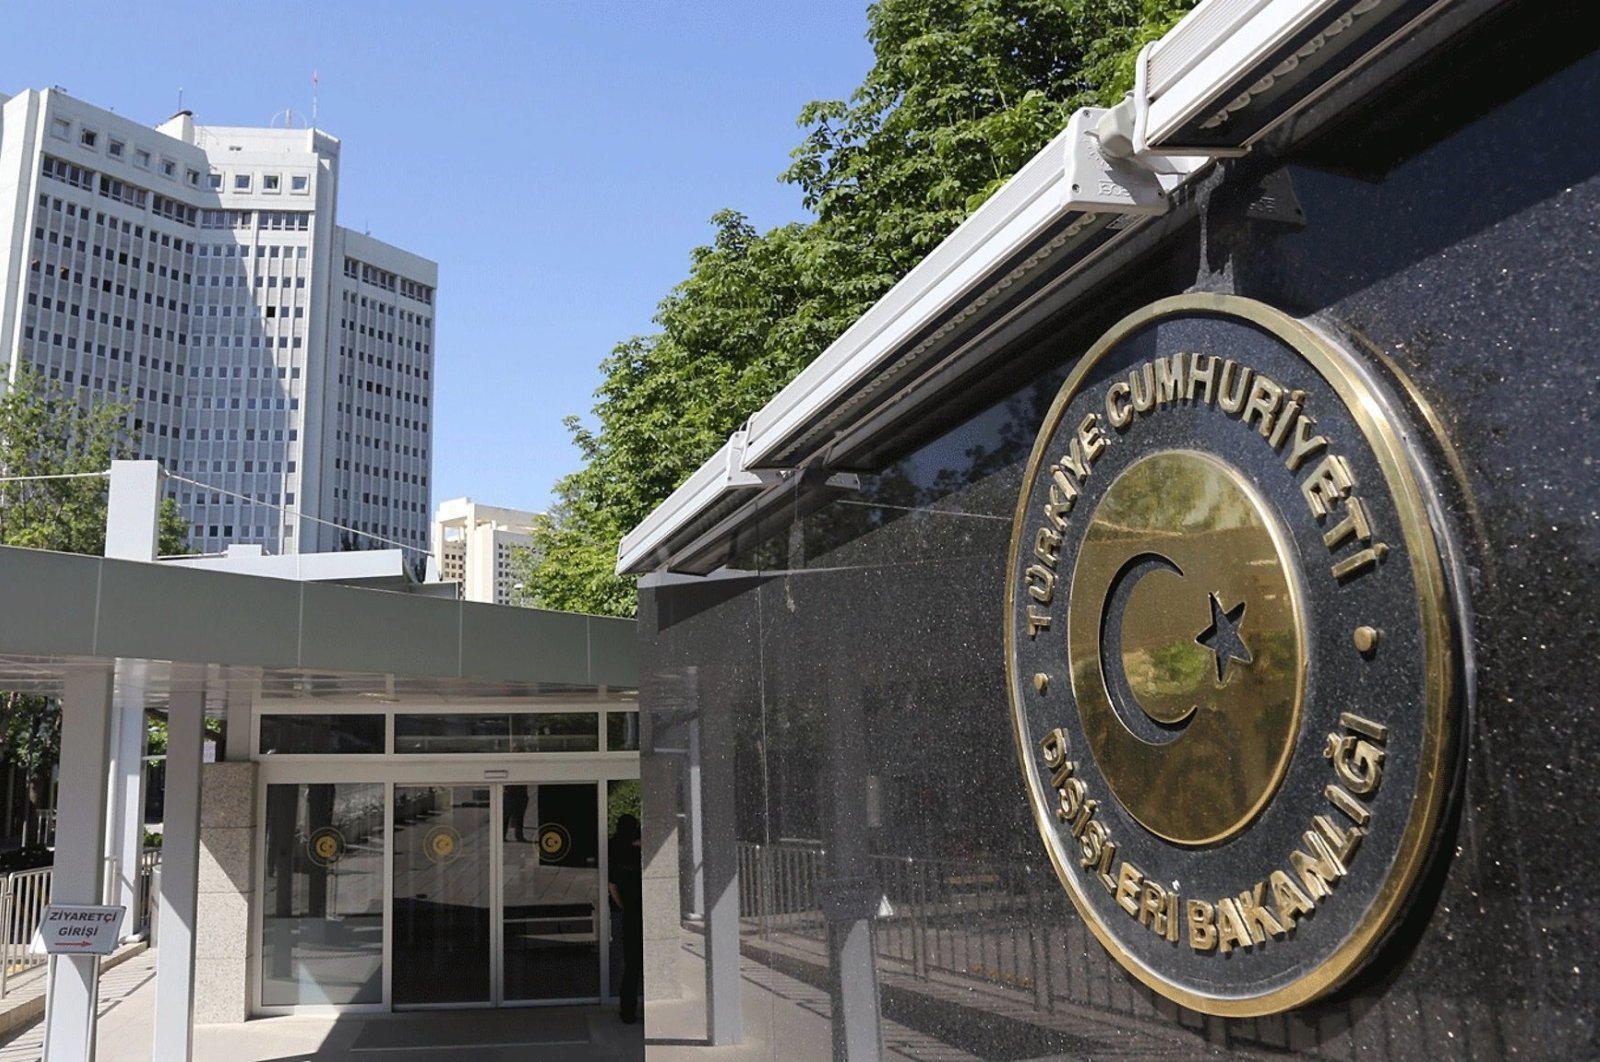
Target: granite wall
(1450, 223)
(223, 944)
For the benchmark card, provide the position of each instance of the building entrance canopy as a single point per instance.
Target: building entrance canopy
(540, 702)
(64, 611)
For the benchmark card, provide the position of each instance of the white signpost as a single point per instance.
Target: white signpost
(80, 929)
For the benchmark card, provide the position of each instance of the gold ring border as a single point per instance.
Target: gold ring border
(1439, 654)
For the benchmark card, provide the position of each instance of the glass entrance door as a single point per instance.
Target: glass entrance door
(443, 895)
(322, 895)
(496, 894)
(550, 889)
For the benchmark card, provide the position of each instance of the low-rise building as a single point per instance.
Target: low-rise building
(475, 545)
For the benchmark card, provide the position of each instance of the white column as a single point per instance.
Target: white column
(241, 694)
(80, 841)
(173, 1040)
(133, 510)
(125, 807)
(478, 574)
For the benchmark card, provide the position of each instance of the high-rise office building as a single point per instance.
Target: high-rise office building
(475, 546)
(280, 362)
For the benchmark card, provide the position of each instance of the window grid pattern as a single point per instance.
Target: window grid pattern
(202, 316)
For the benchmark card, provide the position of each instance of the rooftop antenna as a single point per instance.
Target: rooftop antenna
(180, 99)
(289, 119)
(315, 81)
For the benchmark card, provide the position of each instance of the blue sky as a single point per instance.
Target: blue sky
(558, 160)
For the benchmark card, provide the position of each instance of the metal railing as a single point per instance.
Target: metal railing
(23, 896)
(959, 917)
(961, 922)
(1001, 936)
(778, 888)
(145, 899)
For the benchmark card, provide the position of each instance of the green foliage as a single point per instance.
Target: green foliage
(30, 730)
(623, 799)
(749, 316)
(172, 534)
(44, 432)
(961, 93)
(155, 732)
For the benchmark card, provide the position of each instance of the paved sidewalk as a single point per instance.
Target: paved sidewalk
(542, 1034)
(23, 1003)
(117, 985)
(785, 1020)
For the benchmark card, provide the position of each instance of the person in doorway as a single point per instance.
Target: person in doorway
(516, 809)
(626, 899)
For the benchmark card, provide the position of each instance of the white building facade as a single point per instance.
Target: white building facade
(280, 366)
(475, 545)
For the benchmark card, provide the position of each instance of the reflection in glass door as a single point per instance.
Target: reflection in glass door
(550, 874)
(322, 895)
(443, 895)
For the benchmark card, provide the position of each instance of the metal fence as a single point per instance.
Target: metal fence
(144, 909)
(960, 917)
(778, 888)
(962, 922)
(24, 894)
(1003, 936)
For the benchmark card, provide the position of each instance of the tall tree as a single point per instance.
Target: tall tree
(43, 433)
(46, 435)
(961, 93)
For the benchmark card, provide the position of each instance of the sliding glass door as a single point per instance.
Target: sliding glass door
(550, 888)
(443, 895)
(322, 895)
(432, 893)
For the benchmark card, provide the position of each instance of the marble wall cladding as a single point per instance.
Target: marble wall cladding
(858, 674)
(228, 795)
(220, 988)
(226, 892)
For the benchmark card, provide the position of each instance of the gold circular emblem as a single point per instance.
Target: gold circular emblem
(325, 846)
(442, 844)
(1182, 558)
(1234, 656)
(553, 842)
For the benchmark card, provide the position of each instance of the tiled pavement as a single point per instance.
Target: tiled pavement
(560, 1034)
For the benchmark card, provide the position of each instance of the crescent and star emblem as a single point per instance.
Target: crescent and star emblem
(1233, 643)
